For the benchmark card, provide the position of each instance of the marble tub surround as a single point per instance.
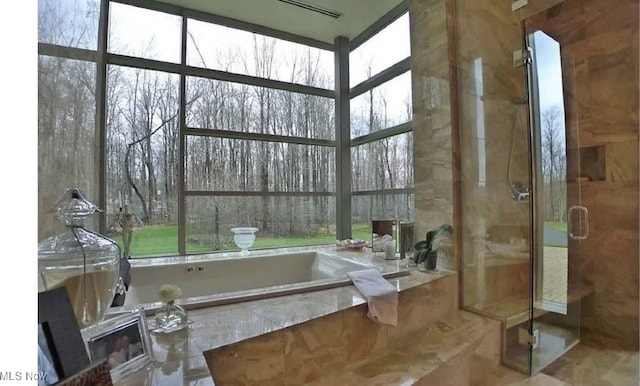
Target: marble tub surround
(238, 325)
(463, 350)
(460, 352)
(331, 347)
(215, 327)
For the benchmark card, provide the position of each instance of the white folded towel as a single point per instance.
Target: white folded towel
(381, 295)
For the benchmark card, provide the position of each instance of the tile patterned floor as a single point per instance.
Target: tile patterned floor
(597, 366)
(554, 280)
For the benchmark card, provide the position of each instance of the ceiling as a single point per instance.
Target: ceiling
(356, 15)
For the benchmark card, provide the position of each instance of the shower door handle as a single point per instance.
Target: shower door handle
(584, 231)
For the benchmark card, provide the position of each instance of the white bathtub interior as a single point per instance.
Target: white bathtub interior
(207, 282)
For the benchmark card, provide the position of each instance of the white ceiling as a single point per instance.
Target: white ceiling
(357, 15)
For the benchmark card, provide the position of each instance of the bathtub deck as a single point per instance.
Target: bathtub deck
(214, 327)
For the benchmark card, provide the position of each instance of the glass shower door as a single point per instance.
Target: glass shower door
(559, 220)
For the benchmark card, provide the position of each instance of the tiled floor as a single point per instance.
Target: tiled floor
(597, 366)
(554, 279)
(583, 365)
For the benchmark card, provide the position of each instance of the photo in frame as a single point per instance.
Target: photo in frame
(406, 239)
(122, 341)
(61, 349)
(380, 229)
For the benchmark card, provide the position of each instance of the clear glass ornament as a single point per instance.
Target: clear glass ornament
(170, 317)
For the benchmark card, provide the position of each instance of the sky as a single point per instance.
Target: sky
(548, 65)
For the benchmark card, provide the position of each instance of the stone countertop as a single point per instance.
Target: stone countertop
(179, 358)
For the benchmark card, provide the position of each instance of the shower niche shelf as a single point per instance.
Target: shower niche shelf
(592, 164)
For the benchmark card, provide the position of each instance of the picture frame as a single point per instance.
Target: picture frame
(407, 239)
(61, 349)
(382, 228)
(123, 341)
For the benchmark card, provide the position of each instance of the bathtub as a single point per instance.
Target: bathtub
(212, 281)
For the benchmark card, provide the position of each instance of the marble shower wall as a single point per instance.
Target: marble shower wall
(493, 146)
(599, 49)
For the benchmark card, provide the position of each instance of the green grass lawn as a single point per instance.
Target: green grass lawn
(161, 240)
(557, 225)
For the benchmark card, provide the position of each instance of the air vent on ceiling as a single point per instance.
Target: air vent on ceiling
(312, 8)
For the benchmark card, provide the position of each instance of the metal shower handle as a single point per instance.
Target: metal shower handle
(584, 235)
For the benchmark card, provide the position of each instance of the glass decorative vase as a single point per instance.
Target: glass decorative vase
(244, 238)
(84, 262)
(170, 317)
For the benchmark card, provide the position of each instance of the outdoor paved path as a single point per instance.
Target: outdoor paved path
(554, 281)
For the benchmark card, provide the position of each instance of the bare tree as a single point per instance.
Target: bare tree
(553, 162)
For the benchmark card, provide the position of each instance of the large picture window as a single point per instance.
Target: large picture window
(234, 128)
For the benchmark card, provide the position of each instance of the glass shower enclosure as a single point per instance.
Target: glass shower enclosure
(524, 167)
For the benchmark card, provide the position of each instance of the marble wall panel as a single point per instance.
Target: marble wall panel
(432, 135)
(494, 281)
(424, 304)
(621, 161)
(313, 348)
(256, 361)
(361, 336)
(456, 371)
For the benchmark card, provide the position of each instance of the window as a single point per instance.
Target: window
(66, 120)
(383, 164)
(381, 131)
(227, 164)
(226, 49)
(253, 114)
(144, 33)
(69, 23)
(142, 156)
(382, 107)
(383, 50)
(365, 208)
(220, 105)
(283, 221)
